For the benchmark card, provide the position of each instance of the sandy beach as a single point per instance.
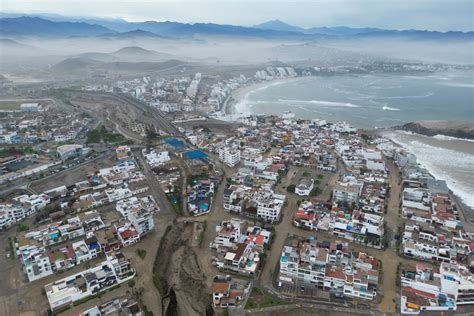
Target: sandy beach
(236, 96)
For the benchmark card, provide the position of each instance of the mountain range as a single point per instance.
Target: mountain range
(57, 26)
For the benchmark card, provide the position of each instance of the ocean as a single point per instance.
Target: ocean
(367, 101)
(379, 100)
(447, 158)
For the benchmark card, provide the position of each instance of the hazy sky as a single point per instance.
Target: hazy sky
(440, 15)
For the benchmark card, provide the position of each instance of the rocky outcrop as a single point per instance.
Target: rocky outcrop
(448, 128)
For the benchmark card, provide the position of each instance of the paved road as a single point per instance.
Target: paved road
(155, 188)
(389, 257)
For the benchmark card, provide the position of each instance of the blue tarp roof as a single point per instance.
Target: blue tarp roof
(195, 154)
(176, 143)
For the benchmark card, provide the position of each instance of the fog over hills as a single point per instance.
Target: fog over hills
(54, 46)
(37, 26)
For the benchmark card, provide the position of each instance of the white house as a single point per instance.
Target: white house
(305, 187)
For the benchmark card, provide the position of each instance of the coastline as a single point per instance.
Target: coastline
(241, 93)
(460, 197)
(232, 111)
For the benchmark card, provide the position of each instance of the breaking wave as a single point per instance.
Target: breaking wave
(324, 103)
(387, 108)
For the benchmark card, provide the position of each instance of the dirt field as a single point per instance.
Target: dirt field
(182, 272)
(74, 174)
(216, 126)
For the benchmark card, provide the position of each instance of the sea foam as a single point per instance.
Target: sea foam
(450, 165)
(387, 108)
(320, 102)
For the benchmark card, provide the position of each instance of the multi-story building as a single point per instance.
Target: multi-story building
(10, 214)
(269, 205)
(66, 152)
(116, 269)
(346, 192)
(330, 266)
(305, 187)
(230, 156)
(228, 292)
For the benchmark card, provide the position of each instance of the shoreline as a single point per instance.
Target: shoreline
(459, 199)
(239, 94)
(229, 110)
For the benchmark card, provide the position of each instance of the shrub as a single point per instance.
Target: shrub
(141, 253)
(291, 188)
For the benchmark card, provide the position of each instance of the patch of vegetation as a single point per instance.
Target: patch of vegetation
(101, 134)
(141, 253)
(17, 150)
(146, 311)
(291, 188)
(315, 191)
(11, 247)
(202, 233)
(306, 174)
(175, 200)
(258, 299)
(7, 105)
(22, 228)
(158, 280)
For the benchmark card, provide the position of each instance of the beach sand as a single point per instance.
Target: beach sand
(243, 92)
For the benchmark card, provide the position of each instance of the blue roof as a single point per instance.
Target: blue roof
(176, 143)
(195, 154)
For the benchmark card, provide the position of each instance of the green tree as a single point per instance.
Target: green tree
(291, 188)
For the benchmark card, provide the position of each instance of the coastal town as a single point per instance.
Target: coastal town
(173, 196)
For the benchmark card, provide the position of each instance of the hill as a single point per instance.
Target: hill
(127, 54)
(278, 25)
(276, 29)
(33, 26)
(448, 128)
(82, 66)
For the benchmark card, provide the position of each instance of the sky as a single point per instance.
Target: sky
(441, 15)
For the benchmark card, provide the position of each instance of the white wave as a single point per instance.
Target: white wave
(421, 96)
(452, 166)
(457, 85)
(319, 102)
(387, 108)
(449, 138)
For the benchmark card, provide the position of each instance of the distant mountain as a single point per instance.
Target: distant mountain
(341, 30)
(344, 32)
(278, 25)
(185, 30)
(131, 34)
(32, 26)
(276, 29)
(418, 35)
